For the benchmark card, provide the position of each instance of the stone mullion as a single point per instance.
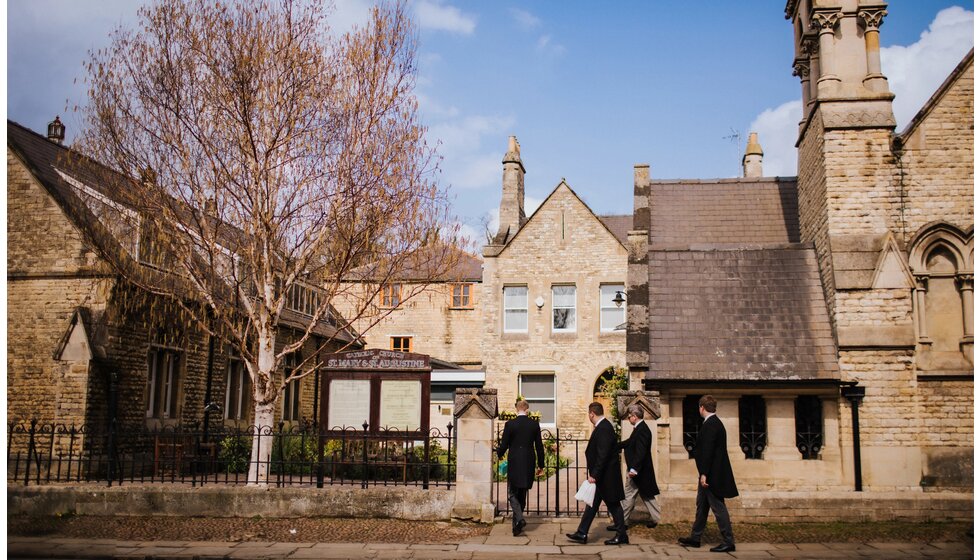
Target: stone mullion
(921, 287)
(965, 284)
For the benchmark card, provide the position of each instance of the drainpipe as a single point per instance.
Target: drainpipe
(855, 394)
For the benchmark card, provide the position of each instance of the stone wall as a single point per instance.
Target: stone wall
(436, 327)
(562, 243)
(812, 185)
(50, 273)
(936, 166)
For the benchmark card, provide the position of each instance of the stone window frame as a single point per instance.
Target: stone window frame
(923, 245)
(602, 308)
(237, 409)
(466, 298)
(400, 348)
(691, 421)
(574, 309)
(174, 388)
(537, 399)
(527, 314)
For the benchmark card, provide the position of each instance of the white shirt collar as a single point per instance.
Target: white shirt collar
(522, 413)
(601, 418)
(710, 414)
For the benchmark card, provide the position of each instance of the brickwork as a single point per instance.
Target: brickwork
(563, 243)
(437, 328)
(874, 307)
(937, 163)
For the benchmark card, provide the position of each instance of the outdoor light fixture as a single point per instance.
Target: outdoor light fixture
(619, 298)
(539, 301)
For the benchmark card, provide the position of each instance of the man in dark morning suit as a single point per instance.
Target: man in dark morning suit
(640, 476)
(522, 437)
(602, 462)
(715, 478)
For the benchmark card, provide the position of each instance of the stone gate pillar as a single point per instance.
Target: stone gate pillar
(474, 410)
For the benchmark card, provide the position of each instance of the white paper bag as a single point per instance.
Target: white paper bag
(586, 492)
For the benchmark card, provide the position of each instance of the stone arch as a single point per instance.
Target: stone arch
(941, 260)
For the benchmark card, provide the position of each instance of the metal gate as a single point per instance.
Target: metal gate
(553, 494)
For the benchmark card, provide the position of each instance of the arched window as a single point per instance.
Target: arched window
(692, 423)
(752, 425)
(941, 263)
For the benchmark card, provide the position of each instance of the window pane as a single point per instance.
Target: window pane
(515, 320)
(546, 408)
(564, 319)
(538, 386)
(563, 296)
(515, 297)
(608, 294)
(442, 394)
(612, 318)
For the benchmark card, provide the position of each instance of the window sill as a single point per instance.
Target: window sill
(451, 308)
(515, 335)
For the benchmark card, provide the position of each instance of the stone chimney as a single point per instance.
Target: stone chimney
(752, 160)
(512, 216)
(56, 130)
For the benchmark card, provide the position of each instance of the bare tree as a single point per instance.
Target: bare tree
(268, 155)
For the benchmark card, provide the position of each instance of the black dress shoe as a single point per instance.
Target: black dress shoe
(612, 527)
(652, 524)
(618, 539)
(687, 541)
(519, 527)
(577, 537)
(723, 548)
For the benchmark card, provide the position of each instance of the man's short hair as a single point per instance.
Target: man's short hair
(635, 410)
(709, 403)
(596, 408)
(522, 404)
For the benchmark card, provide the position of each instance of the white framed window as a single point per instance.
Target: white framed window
(538, 389)
(515, 308)
(563, 308)
(610, 316)
(162, 382)
(238, 394)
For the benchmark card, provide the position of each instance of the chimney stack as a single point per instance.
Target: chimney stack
(512, 216)
(56, 130)
(752, 160)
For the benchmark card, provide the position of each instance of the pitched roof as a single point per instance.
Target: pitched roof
(733, 212)
(96, 200)
(754, 314)
(619, 225)
(733, 295)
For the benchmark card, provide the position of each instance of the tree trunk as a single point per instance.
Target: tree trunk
(263, 385)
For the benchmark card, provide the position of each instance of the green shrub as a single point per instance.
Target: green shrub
(234, 453)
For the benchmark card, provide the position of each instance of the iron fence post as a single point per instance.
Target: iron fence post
(30, 450)
(364, 474)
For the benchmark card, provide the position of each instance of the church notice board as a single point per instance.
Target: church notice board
(388, 390)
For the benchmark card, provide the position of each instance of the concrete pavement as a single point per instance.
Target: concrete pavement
(543, 539)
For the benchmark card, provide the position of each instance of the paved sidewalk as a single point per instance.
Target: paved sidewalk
(542, 540)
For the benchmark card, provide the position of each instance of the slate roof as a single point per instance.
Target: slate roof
(733, 294)
(103, 226)
(619, 225)
(735, 212)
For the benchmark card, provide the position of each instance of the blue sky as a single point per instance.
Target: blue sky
(589, 89)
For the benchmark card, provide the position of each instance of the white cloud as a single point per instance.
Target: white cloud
(914, 73)
(547, 47)
(492, 216)
(349, 13)
(778, 129)
(526, 20)
(472, 146)
(440, 17)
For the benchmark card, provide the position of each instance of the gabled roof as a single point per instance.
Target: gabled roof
(618, 225)
(936, 97)
(608, 222)
(97, 201)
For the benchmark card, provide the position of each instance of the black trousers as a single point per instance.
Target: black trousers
(615, 508)
(517, 497)
(706, 500)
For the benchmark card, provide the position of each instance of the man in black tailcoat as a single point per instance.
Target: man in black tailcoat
(522, 437)
(640, 476)
(602, 462)
(715, 478)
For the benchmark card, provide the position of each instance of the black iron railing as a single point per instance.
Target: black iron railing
(281, 455)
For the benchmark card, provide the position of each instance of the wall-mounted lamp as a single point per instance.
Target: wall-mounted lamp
(619, 298)
(539, 301)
